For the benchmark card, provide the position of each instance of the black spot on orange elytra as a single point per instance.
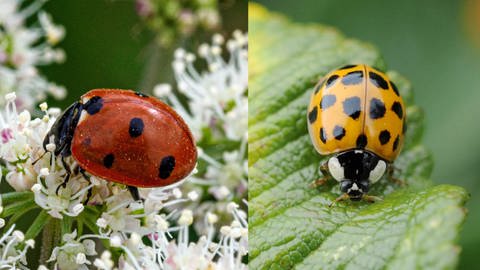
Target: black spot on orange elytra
(378, 80)
(352, 78)
(384, 137)
(377, 108)
(351, 107)
(312, 115)
(397, 109)
(327, 101)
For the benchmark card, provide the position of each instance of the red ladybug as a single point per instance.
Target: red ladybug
(125, 137)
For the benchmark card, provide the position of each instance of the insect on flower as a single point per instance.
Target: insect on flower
(125, 137)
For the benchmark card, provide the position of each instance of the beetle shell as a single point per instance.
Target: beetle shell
(132, 139)
(357, 107)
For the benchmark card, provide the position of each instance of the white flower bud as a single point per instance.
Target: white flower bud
(43, 106)
(236, 233)
(212, 218)
(162, 224)
(135, 239)
(225, 230)
(44, 172)
(30, 243)
(177, 193)
(203, 50)
(24, 117)
(115, 241)
(42, 267)
(190, 58)
(19, 235)
(179, 53)
(51, 147)
(2, 223)
(186, 218)
(102, 223)
(193, 195)
(218, 39)
(162, 90)
(36, 188)
(78, 208)
(232, 206)
(10, 97)
(81, 258)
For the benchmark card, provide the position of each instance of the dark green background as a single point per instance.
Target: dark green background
(427, 42)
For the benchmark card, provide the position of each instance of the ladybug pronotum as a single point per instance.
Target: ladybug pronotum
(356, 116)
(125, 137)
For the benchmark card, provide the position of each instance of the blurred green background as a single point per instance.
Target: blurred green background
(108, 46)
(435, 45)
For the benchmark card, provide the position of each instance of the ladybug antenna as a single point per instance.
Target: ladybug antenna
(36, 160)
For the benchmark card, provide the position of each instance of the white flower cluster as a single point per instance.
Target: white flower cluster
(161, 251)
(13, 247)
(216, 109)
(23, 48)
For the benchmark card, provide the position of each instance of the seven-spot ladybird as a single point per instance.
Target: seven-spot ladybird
(125, 137)
(357, 117)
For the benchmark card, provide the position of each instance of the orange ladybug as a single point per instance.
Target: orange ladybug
(125, 137)
(356, 116)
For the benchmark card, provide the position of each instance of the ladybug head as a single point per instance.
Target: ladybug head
(356, 170)
(355, 190)
(63, 129)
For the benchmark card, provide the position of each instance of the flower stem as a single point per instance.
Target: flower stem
(50, 238)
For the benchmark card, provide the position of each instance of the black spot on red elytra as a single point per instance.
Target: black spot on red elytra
(108, 160)
(312, 115)
(338, 132)
(327, 101)
(395, 89)
(378, 80)
(397, 109)
(352, 78)
(362, 141)
(351, 107)
(166, 167)
(331, 80)
(93, 105)
(136, 127)
(323, 135)
(384, 137)
(377, 108)
(347, 67)
(395, 143)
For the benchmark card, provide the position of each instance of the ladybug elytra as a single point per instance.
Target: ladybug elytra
(125, 137)
(356, 116)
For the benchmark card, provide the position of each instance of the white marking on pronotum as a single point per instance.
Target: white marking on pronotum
(378, 171)
(336, 169)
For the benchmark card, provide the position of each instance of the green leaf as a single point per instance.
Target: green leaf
(291, 225)
(42, 219)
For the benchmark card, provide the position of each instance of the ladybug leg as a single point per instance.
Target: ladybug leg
(340, 198)
(67, 176)
(134, 192)
(326, 176)
(371, 199)
(85, 176)
(391, 170)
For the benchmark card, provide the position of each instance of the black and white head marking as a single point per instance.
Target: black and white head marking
(356, 170)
